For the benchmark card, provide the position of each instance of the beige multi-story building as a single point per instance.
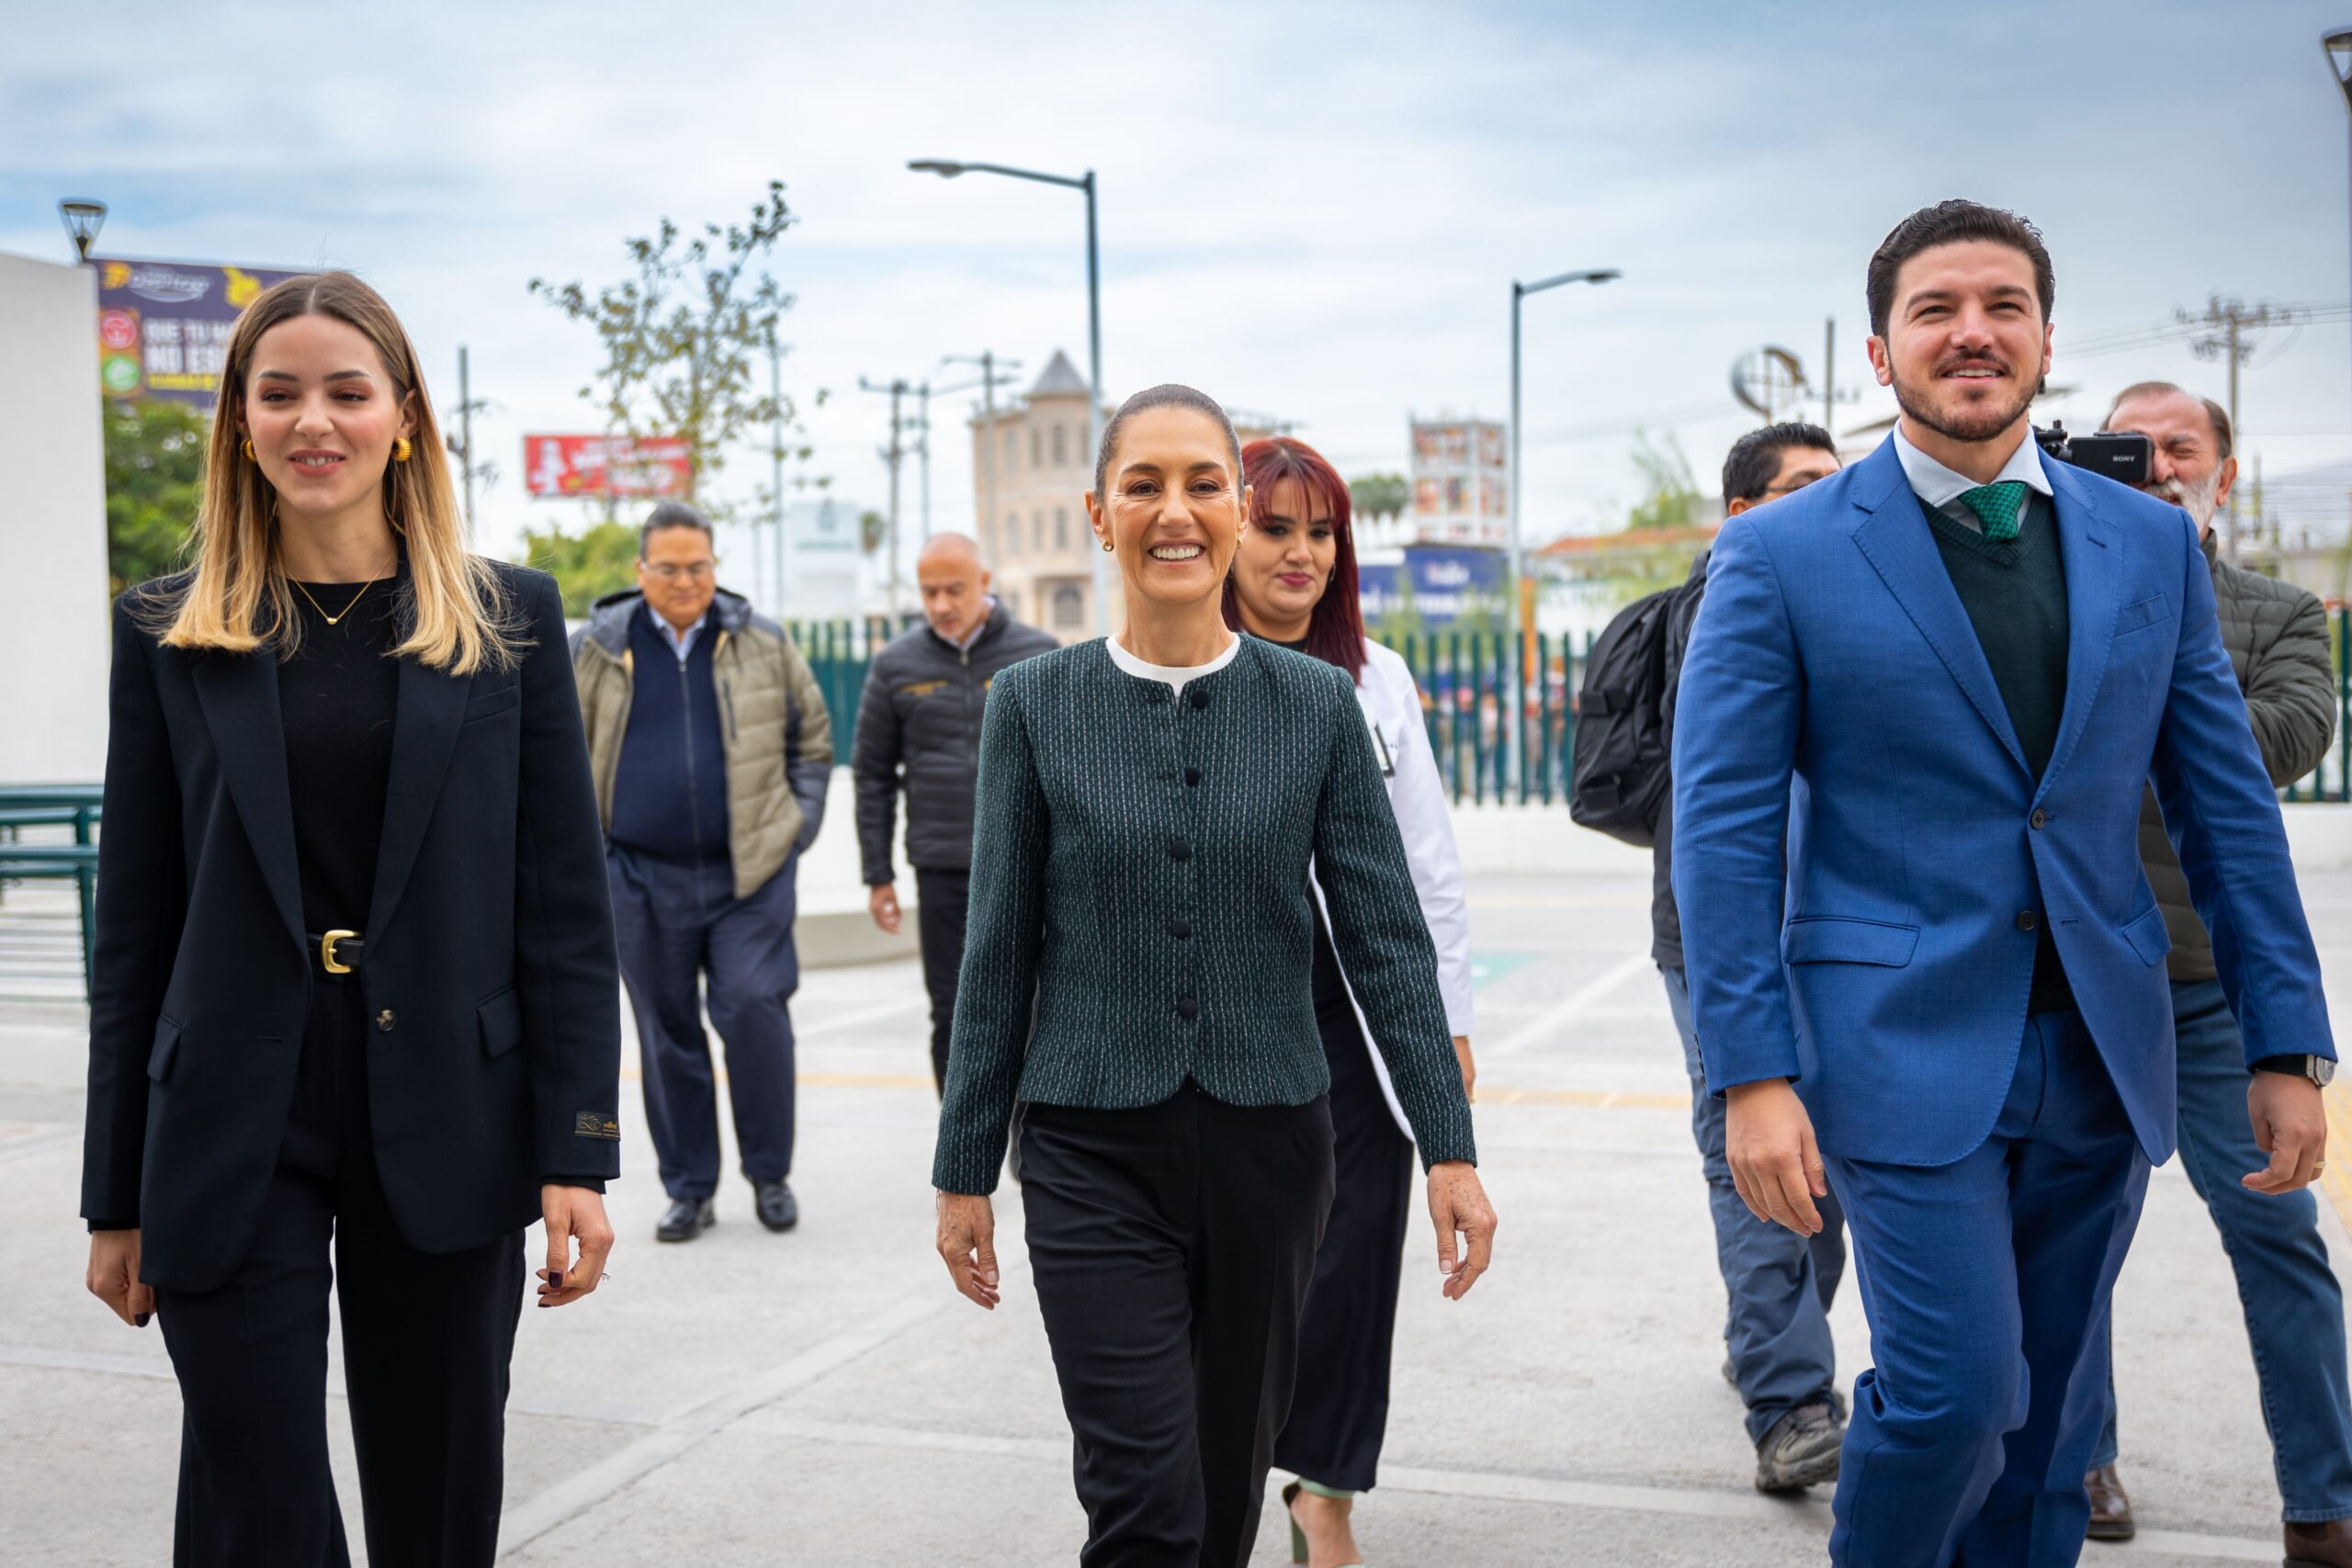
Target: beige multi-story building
(1030, 473)
(1031, 468)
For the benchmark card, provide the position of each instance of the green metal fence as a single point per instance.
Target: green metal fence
(1501, 730)
(1479, 703)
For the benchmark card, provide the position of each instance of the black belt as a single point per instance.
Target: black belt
(335, 952)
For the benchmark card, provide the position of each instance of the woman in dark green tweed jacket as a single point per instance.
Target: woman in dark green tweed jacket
(1137, 984)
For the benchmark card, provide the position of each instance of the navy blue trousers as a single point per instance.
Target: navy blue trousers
(1987, 1282)
(2294, 1308)
(679, 927)
(1780, 1284)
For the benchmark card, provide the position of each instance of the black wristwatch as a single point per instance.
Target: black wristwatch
(2319, 1069)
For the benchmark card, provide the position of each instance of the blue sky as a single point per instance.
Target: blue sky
(1313, 210)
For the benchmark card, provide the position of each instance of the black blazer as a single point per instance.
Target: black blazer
(488, 976)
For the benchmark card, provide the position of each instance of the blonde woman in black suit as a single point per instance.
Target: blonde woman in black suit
(353, 982)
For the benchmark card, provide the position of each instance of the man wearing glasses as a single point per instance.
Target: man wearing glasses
(711, 750)
(1776, 1334)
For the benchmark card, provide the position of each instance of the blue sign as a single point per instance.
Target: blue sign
(1443, 584)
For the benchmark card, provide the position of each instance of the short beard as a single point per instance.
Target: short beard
(2197, 500)
(1977, 426)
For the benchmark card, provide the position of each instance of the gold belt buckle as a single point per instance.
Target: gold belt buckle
(326, 952)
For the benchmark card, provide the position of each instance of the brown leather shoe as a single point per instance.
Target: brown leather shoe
(2327, 1545)
(2111, 1505)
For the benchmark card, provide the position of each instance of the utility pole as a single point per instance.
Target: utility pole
(1830, 378)
(466, 431)
(461, 444)
(922, 402)
(775, 457)
(892, 455)
(2222, 334)
(991, 367)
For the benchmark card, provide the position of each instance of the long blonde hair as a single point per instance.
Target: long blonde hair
(236, 599)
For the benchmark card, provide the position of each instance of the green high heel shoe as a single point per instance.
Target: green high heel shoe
(1298, 1536)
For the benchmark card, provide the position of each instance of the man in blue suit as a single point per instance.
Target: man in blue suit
(1919, 703)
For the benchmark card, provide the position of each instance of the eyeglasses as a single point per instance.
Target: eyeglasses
(670, 572)
(1789, 489)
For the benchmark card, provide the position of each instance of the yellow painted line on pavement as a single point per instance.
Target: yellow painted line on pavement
(2337, 1181)
(1593, 1099)
(1586, 1099)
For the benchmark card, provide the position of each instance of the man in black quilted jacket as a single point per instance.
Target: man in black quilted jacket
(2278, 643)
(919, 728)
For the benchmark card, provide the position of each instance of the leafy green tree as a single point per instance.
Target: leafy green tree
(154, 467)
(873, 529)
(600, 559)
(1670, 496)
(687, 338)
(1375, 496)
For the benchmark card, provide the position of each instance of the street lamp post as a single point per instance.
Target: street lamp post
(83, 221)
(1520, 291)
(2338, 45)
(1520, 623)
(947, 169)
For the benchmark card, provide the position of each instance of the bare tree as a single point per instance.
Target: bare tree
(682, 337)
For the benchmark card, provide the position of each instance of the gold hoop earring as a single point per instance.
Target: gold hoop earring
(402, 450)
(246, 447)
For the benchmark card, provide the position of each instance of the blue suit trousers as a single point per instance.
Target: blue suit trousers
(1986, 1282)
(679, 927)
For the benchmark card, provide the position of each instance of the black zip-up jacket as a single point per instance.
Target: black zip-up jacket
(918, 726)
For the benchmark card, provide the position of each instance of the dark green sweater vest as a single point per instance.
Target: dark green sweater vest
(2014, 593)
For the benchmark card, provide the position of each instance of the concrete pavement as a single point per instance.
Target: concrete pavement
(824, 1396)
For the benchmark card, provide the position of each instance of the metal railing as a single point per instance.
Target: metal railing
(1501, 729)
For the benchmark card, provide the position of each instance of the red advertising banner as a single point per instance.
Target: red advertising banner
(594, 467)
(164, 326)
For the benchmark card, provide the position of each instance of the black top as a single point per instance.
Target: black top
(336, 697)
(2014, 593)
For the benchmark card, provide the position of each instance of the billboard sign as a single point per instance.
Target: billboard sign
(592, 467)
(1444, 585)
(164, 326)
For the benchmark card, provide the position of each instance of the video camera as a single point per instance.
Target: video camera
(2125, 459)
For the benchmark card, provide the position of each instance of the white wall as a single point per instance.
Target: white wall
(52, 527)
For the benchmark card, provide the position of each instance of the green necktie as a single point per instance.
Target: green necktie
(1998, 506)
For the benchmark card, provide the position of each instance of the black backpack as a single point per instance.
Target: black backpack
(1619, 760)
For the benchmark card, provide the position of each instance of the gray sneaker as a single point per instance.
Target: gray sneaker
(1801, 1449)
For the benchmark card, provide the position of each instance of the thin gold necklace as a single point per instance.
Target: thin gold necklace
(322, 609)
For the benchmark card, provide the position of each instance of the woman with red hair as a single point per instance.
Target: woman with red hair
(1294, 582)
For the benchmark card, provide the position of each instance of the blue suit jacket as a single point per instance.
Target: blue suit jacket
(1835, 694)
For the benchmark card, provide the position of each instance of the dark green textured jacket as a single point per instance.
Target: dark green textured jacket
(1140, 912)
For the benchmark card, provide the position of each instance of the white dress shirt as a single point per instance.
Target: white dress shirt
(1939, 486)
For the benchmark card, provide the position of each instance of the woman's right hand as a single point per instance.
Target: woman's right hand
(967, 1244)
(114, 1276)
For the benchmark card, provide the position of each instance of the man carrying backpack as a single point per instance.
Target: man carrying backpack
(1778, 1356)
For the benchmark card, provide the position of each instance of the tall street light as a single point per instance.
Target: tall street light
(2338, 45)
(1520, 291)
(947, 170)
(83, 220)
(1517, 620)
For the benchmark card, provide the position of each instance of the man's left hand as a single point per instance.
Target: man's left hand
(2290, 1126)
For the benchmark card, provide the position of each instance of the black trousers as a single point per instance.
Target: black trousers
(426, 1342)
(1171, 1247)
(1338, 1409)
(939, 927)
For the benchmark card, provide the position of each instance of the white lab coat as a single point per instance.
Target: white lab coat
(1392, 708)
